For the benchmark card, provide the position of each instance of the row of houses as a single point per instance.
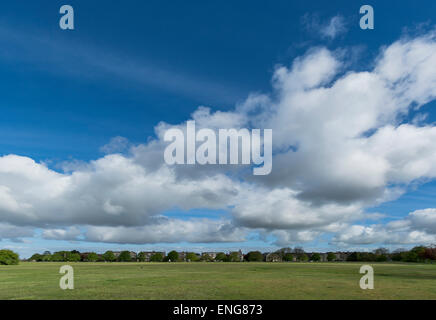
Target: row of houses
(182, 255)
(268, 256)
(275, 257)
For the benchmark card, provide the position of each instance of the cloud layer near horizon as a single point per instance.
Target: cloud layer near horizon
(341, 143)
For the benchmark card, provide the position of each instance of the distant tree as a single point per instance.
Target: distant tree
(191, 256)
(355, 256)
(173, 256)
(430, 253)
(331, 256)
(36, 257)
(254, 256)
(303, 257)
(288, 257)
(157, 257)
(381, 258)
(109, 256)
(141, 257)
(410, 256)
(420, 252)
(206, 257)
(381, 251)
(92, 257)
(233, 257)
(72, 257)
(221, 256)
(8, 257)
(57, 257)
(397, 255)
(316, 257)
(46, 257)
(283, 251)
(366, 256)
(125, 256)
(298, 250)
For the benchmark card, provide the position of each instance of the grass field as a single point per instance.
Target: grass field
(217, 281)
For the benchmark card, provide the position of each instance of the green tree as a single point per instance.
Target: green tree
(331, 256)
(92, 257)
(36, 257)
(8, 257)
(233, 257)
(316, 257)
(298, 251)
(288, 257)
(141, 256)
(381, 251)
(410, 256)
(420, 252)
(157, 257)
(206, 257)
(397, 256)
(381, 258)
(72, 257)
(109, 256)
(282, 252)
(221, 256)
(125, 256)
(191, 256)
(46, 257)
(57, 257)
(253, 256)
(303, 257)
(355, 256)
(173, 256)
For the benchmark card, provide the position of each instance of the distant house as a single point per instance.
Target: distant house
(84, 256)
(133, 255)
(342, 256)
(197, 255)
(323, 256)
(182, 256)
(239, 254)
(212, 255)
(149, 254)
(272, 257)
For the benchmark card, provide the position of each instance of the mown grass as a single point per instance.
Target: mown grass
(218, 281)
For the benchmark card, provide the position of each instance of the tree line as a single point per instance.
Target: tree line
(416, 254)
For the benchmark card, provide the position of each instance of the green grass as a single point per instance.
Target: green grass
(218, 281)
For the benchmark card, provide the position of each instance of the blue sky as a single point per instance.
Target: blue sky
(128, 66)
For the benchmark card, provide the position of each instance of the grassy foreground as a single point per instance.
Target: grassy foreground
(217, 281)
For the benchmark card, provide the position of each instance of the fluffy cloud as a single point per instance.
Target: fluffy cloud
(113, 190)
(71, 233)
(419, 227)
(170, 231)
(341, 145)
(8, 231)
